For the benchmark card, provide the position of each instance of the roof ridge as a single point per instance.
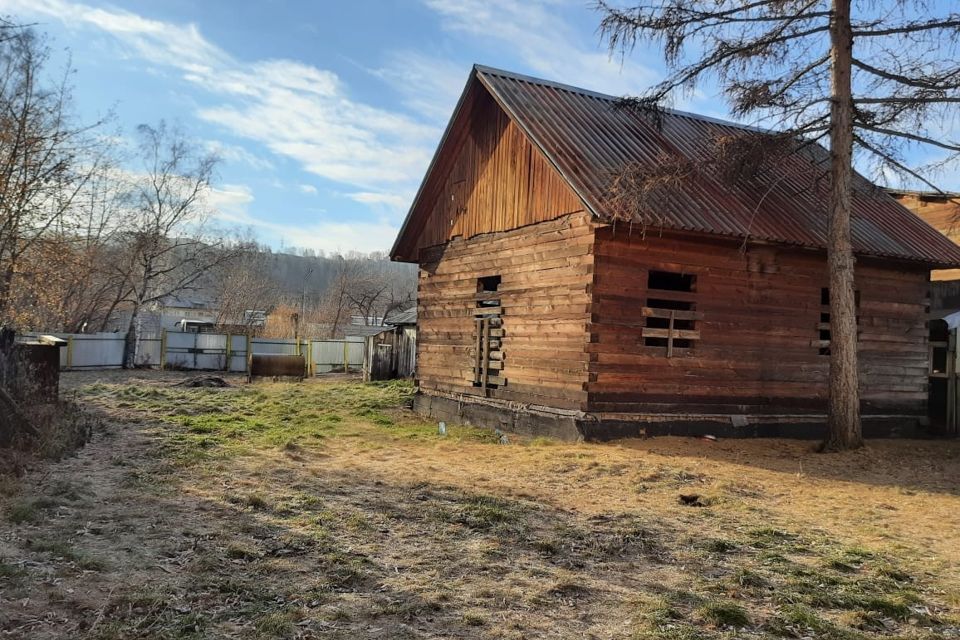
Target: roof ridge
(607, 97)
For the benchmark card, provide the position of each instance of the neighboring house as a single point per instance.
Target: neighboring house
(359, 331)
(942, 212)
(172, 314)
(538, 313)
(367, 321)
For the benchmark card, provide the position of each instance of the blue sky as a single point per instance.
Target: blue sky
(324, 113)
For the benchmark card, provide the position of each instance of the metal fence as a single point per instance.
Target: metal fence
(204, 351)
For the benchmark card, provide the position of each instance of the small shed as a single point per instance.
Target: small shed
(392, 353)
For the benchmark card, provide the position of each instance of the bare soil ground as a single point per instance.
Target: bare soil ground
(327, 510)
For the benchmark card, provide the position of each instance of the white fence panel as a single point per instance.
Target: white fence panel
(329, 355)
(211, 351)
(180, 350)
(273, 346)
(148, 352)
(355, 351)
(93, 350)
(238, 353)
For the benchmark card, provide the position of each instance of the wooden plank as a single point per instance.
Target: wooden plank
(487, 311)
(679, 334)
(476, 366)
(763, 345)
(670, 335)
(486, 352)
(679, 314)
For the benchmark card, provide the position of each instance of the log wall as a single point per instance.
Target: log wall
(758, 349)
(546, 273)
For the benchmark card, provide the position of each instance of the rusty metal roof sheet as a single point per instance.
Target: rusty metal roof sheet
(588, 140)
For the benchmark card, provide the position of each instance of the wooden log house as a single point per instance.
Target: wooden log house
(539, 313)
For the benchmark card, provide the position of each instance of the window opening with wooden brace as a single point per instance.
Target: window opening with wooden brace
(670, 316)
(488, 338)
(823, 327)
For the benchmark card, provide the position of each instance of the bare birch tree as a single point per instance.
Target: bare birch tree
(244, 285)
(336, 300)
(875, 78)
(167, 245)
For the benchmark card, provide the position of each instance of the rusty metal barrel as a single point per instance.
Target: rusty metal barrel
(277, 366)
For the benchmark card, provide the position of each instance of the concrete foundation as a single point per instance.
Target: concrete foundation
(572, 426)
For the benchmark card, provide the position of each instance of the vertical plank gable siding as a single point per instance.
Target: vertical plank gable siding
(488, 177)
(943, 214)
(760, 314)
(546, 272)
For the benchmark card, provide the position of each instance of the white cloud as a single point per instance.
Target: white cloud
(156, 41)
(235, 154)
(389, 200)
(294, 109)
(545, 41)
(308, 189)
(429, 85)
(230, 202)
(323, 234)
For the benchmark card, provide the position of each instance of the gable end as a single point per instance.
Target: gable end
(486, 176)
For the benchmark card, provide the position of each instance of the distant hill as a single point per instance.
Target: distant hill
(293, 273)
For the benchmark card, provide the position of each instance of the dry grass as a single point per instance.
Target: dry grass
(327, 510)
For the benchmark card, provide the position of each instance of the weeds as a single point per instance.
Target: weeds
(31, 511)
(724, 614)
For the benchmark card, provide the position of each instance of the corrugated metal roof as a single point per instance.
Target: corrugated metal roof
(402, 316)
(588, 139)
(362, 331)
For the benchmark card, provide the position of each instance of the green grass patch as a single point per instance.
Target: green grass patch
(213, 424)
(486, 513)
(66, 551)
(31, 511)
(719, 545)
(723, 613)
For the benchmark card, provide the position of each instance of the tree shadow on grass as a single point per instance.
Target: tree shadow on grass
(918, 465)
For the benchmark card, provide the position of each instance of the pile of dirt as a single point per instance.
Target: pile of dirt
(204, 382)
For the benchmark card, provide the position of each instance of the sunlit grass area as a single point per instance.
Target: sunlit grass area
(328, 509)
(223, 422)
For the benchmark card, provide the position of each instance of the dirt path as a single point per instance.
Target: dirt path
(326, 510)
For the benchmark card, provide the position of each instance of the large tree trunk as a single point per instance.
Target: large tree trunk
(130, 339)
(843, 419)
